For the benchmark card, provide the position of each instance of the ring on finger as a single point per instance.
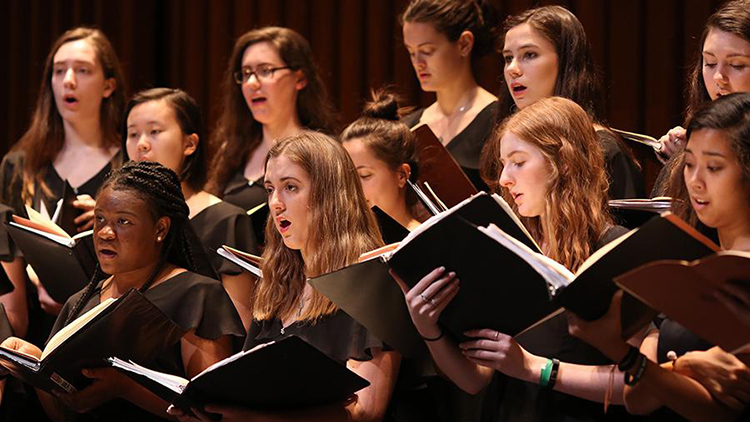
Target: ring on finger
(497, 334)
(432, 301)
(425, 298)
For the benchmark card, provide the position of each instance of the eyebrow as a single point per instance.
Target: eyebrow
(708, 153)
(258, 65)
(512, 153)
(119, 212)
(283, 179)
(150, 122)
(362, 167)
(730, 56)
(74, 61)
(525, 46)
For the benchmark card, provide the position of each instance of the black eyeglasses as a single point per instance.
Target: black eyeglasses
(262, 73)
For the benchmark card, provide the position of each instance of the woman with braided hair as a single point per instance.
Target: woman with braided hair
(143, 238)
(164, 125)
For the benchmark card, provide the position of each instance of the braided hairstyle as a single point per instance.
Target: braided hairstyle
(159, 187)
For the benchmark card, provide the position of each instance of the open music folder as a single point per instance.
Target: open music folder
(130, 326)
(505, 282)
(684, 291)
(286, 374)
(64, 263)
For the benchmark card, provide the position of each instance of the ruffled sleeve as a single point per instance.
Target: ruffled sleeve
(10, 201)
(199, 303)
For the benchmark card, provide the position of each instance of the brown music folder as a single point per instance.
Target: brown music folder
(684, 291)
(439, 169)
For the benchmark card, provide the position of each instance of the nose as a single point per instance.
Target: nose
(694, 178)
(417, 60)
(143, 144)
(253, 81)
(105, 232)
(512, 68)
(275, 202)
(70, 78)
(719, 76)
(506, 180)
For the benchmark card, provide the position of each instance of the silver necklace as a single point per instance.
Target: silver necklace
(299, 315)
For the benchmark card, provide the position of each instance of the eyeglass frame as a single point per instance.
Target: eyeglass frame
(239, 79)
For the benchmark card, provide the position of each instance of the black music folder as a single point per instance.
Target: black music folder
(130, 326)
(391, 229)
(289, 373)
(63, 263)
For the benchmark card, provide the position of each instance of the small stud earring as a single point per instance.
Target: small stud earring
(158, 238)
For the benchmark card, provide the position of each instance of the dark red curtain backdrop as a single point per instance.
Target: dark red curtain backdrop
(642, 47)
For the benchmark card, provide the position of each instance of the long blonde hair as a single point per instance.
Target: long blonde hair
(576, 211)
(342, 227)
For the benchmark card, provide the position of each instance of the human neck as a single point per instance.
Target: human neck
(736, 236)
(135, 279)
(85, 133)
(280, 129)
(402, 214)
(459, 95)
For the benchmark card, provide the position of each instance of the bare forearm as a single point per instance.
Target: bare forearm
(467, 375)
(683, 395)
(15, 301)
(589, 382)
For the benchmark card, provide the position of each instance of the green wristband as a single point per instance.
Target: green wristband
(546, 372)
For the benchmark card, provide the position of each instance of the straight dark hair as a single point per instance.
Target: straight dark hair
(188, 115)
(729, 114)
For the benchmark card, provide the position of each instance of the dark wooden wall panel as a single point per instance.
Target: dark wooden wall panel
(642, 48)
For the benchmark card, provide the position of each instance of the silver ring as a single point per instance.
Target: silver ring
(425, 298)
(497, 334)
(432, 301)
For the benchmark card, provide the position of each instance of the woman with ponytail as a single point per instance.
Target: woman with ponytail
(143, 238)
(384, 152)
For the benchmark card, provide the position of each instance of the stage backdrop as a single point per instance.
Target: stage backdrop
(643, 49)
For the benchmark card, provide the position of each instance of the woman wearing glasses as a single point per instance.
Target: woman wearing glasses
(272, 89)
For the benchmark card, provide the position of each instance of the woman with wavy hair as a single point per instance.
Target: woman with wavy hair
(547, 163)
(73, 137)
(318, 225)
(272, 89)
(545, 53)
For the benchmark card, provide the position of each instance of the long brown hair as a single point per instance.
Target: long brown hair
(576, 75)
(576, 211)
(237, 133)
(733, 17)
(46, 135)
(344, 228)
